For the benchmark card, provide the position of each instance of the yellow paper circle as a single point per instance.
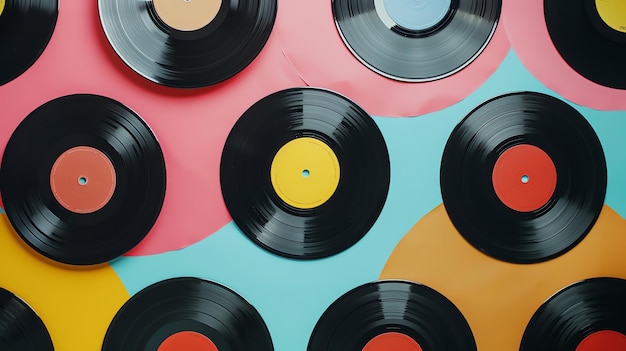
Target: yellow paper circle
(76, 304)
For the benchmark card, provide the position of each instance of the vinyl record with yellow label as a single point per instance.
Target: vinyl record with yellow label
(523, 177)
(305, 173)
(590, 35)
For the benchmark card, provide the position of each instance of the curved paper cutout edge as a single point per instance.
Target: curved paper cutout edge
(499, 298)
(321, 59)
(528, 33)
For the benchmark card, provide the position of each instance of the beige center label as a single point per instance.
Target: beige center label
(613, 13)
(186, 15)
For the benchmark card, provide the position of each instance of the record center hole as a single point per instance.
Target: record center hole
(525, 179)
(82, 180)
(305, 173)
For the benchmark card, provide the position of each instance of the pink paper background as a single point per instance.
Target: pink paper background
(526, 28)
(310, 41)
(191, 125)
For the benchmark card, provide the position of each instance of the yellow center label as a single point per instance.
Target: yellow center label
(1, 6)
(305, 173)
(613, 13)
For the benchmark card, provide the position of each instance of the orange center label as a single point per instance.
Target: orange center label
(187, 15)
(82, 179)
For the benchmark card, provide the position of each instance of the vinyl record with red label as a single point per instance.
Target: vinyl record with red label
(585, 316)
(187, 314)
(82, 179)
(305, 173)
(523, 177)
(392, 315)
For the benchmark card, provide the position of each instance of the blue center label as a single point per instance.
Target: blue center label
(412, 14)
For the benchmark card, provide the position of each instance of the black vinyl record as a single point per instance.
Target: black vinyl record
(187, 57)
(352, 149)
(213, 313)
(424, 318)
(594, 306)
(410, 52)
(535, 136)
(586, 42)
(21, 329)
(26, 27)
(82, 179)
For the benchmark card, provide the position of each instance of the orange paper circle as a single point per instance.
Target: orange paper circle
(499, 298)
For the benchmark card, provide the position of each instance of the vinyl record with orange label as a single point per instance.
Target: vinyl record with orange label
(305, 173)
(585, 316)
(187, 43)
(187, 314)
(82, 179)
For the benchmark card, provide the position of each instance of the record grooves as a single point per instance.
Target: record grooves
(569, 320)
(420, 53)
(523, 135)
(21, 329)
(82, 179)
(163, 50)
(183, 308)
(305, 173)
(418, 316)
(589, 45)
(26, 27)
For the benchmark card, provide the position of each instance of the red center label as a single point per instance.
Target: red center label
(524, 178)
(82, 179)
(605, 340)
(187, 341)
(392, 341)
